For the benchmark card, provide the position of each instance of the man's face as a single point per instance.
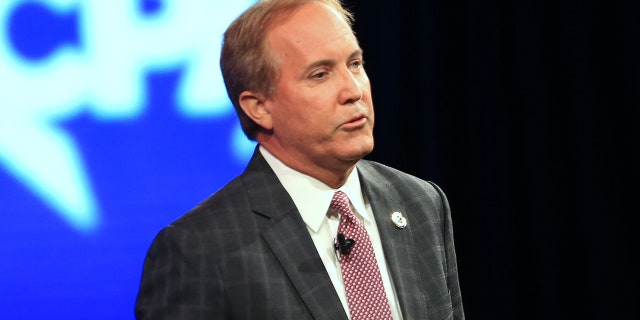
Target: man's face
(321, 109)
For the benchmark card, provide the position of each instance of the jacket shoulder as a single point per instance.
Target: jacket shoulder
(227, 202)
(400, 184)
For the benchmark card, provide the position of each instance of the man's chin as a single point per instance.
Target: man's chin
(358, 153)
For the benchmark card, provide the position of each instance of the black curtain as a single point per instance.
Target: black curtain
(524, 112)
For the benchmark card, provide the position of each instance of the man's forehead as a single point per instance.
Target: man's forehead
(307, 21)
(307, 26)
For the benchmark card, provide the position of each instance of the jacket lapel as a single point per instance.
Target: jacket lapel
(289, 240)
(398, 245)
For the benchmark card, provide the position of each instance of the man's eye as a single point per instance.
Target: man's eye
(357, 64)
(319, 75)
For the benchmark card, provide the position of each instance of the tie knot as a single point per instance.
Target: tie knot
(340, 203)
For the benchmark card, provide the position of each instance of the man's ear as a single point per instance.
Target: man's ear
(254, 106)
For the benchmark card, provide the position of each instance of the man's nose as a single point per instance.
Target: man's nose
(352, 90)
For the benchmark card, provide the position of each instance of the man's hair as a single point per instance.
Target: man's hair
(246, 61)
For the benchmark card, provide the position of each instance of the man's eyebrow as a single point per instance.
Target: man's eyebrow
(331, 62)
(320, 63)
(356, 53)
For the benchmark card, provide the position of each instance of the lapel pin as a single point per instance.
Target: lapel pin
(399, 220)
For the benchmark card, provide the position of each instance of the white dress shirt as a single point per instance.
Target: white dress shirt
(312, 198)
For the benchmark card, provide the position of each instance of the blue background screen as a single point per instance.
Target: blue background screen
(114, 121)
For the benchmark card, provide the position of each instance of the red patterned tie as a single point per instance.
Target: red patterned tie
(362, 281)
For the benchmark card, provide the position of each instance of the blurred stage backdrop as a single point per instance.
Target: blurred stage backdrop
(114, 121)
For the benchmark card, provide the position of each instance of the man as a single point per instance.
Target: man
(309, 230)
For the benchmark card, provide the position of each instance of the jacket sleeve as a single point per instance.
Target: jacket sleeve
(177, 280)
(452, 264)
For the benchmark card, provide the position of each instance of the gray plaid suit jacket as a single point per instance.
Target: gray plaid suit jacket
(245, 253)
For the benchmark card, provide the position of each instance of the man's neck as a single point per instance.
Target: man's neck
(334, 177)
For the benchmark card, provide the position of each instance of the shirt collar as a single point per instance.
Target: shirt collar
(311, 196)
